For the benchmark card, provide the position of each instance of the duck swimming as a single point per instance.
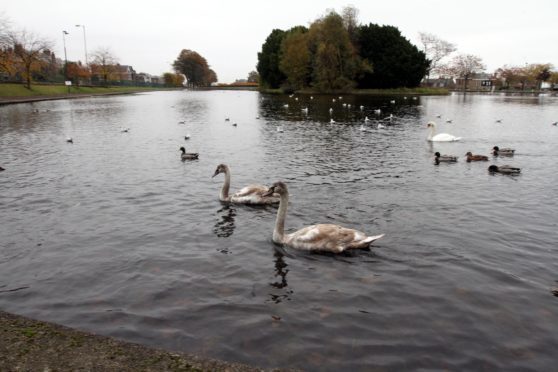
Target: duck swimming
(496, 151)
(252, 194)
(322, 237)
(188, 156)
(505, 169)
(444, 158)
(471, 157)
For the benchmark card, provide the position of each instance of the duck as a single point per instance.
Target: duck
(503, 152)
(69, 140)
(124, 130)
(441, 137)
(182, 122)
(471, 157)
(2, 169)
(234, 124)
(505, 169)
(188, 156)
(227, 119)
(555, 123)
(252, 194)
(498, 120)
(187, 137)
(444, 158)
(258, 117)
(315, 238)
(449, 121)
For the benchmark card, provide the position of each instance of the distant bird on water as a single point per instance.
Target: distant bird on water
(498, 120)
(2, 169)
(227, 119)
(188, 156)
(124, 130)
(378, 111)
(444, 158)
(234, 124)
(504, 169)
(496, 151)
(280, 129)
(471, 157)
(331, 121)
(555, 123)
(69, 140)
(187, 136)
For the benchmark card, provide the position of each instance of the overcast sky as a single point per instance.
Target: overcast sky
(149, 35)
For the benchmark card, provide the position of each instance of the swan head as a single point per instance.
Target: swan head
(183, 149)
(431, 124)
(277, 188)
(221, 168)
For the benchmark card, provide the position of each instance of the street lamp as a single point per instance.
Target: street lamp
(84, 43)
(64, 33)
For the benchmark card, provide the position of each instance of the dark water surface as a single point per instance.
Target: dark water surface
(115, 235)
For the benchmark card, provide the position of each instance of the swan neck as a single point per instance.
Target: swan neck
(279, 231)
(225, 189)
(432, 132)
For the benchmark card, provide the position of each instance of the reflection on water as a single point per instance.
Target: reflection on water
(114, 234)
(224, 227)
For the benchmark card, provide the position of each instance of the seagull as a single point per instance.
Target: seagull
(227, 119)
(333, 100)
(362, 128)
(311, 97)
(296, 98)
(377, 111)
(286, 105)
(380, 126)
(449, 121)
(361, 107)
(69, 140)
(330, 110)
(187, 136)
(414, 98)
(348, 105)
(257, 117)
(366, 120)
(340, 97)
(305, 110)
(439, 116)
(392, 101)
(124, 130)
(331, 121)
(280, 129)
(344, 105)
(404, 97)
(390, 117)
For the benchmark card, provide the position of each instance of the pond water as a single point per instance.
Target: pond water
(115, 234)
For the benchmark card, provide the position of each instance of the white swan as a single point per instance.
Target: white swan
(322, 237)
(441, 137)
(253, 194)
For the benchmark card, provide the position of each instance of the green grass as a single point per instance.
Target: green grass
(19, 90)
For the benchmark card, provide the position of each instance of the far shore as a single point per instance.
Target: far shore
(18, 93)
(32, 345)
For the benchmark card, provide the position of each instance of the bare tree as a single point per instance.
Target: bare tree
(465, 65)
(435, 49)
(28, 51)
(104, 64)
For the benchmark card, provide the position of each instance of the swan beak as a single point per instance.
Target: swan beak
(269, 192)
(216, 173)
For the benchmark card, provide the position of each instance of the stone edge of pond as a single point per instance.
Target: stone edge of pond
(15, 100)
(32, 345)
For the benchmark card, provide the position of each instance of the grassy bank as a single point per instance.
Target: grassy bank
(19, 90)
(378, 92)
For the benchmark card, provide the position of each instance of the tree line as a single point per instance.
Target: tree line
(337, 53)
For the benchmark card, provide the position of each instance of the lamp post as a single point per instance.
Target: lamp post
(64, 33)
(84, 43)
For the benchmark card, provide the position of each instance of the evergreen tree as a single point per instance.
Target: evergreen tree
(269, 59)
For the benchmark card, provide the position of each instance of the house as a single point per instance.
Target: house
(125, 73)
(440, 82)
(478, 82)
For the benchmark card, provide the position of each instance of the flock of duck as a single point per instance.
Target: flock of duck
(496, 151)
